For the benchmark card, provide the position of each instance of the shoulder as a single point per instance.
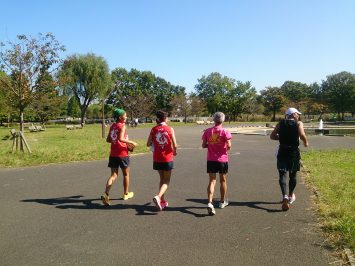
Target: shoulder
(227, 133)
(207, 130)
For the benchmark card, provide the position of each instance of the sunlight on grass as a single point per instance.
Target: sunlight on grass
(58, 145)
(332, 175)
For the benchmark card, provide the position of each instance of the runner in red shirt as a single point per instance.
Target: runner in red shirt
(163, 144)
(118, 155)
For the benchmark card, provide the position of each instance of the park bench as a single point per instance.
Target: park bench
(35, 128)
(201, 122)
(72, 127)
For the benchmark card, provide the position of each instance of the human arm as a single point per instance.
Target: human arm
(204, 140)
(302, 134)
(229, 144)
(204, 143)
(108, 139)
(275, 133)
(174, 144)
(149, 141)
(122, 138)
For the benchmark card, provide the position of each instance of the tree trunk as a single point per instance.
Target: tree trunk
(273, 115)
(82, 118)
(22, 126)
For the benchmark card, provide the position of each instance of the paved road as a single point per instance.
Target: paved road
(52, 215)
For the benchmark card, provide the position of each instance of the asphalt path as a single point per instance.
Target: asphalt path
(52, 215)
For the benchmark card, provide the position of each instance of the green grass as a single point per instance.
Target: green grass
(58, 145)
(332, 175)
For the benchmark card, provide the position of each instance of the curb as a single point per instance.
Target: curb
(349, 257)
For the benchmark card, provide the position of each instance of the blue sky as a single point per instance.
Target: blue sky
(265, 42)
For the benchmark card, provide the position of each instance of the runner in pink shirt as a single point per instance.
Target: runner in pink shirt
(217, 140)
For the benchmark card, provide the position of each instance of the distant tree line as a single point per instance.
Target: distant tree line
(36, 84)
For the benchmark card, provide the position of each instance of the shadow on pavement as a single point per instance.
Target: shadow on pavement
(250, 204)
(76, 202)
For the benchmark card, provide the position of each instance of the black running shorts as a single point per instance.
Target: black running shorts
(117, 162)
(217, 167)
(165, 166)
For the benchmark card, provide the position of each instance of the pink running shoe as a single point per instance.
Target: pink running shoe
(157, 203)
(164, 204)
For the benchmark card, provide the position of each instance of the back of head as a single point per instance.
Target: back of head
(218, 117)
(161, 116)
(291, 111)
(117, 113)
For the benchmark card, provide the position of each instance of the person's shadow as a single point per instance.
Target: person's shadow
(78, 202)
(250, 204)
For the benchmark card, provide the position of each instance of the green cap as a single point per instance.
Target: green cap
(118, 112)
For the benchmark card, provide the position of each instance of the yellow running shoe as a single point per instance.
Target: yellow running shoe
(127, 196)
(105, 199)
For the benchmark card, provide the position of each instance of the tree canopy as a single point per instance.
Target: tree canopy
(26, 61)
(86, 77)
(339, 91)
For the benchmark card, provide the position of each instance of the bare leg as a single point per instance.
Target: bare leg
(125, 172)
(211, 185)
(223, 188)
(111, 180)
(164, 183)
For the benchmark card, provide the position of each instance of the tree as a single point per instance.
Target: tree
(5, 106)
(133, 91)
(273, 100)
(47, 103)
(212, 91)
(198, 108)
(25, 61)
(315, 103)
(181, 106)
(86, 77)
(164, 92)
(295, 92)
(253, 106)
(73, 108)
(339, 91)
(237, 97)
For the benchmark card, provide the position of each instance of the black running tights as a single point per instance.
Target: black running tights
(291, 184)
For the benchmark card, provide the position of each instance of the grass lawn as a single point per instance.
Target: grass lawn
(332, 175)
(58, 145)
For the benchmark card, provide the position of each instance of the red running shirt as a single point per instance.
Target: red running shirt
(118, 149)
(161, 136)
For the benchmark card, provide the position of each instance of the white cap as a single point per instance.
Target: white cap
(291, 111)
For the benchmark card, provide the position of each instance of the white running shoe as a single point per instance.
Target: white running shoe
(210, 209)
(223, 204)
(292, 198)
(157, 203)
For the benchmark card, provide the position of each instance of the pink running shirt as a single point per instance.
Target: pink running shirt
(216, 138)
